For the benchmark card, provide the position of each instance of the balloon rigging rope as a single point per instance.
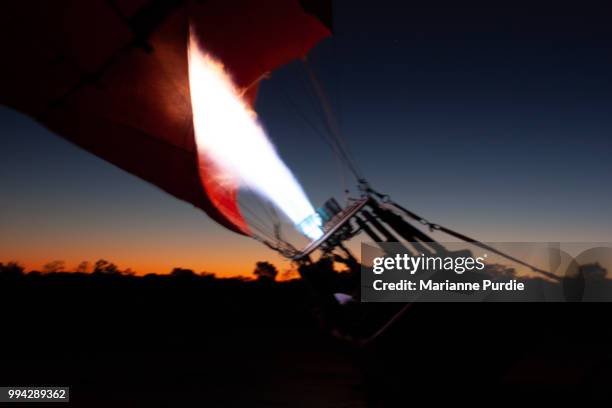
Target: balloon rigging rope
(331, 123)
(437, 227)
(325, 136)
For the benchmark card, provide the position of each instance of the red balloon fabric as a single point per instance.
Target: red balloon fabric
(112, 77)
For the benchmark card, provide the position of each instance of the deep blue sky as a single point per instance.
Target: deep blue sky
(495, 121)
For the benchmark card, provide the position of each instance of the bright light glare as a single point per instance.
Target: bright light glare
(228, 133)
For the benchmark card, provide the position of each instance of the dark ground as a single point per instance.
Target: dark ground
(121, 341)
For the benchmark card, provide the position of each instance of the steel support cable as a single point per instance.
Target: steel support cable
(331, 123)
(256, 223)
(321, 134)
(325, 109)
(257, 200)
(316, 107)
(270, 230)
(271, 213)
(436, 227)
(338, 104)
(333, 131)
(257, 231)
(327, 136)
(278, 232)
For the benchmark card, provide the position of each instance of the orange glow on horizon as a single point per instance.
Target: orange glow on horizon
(239, 268)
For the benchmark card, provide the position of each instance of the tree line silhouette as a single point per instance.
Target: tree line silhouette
(99, 327)
(263, 271)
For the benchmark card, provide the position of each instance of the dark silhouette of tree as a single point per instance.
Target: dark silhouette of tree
(265, 271)
(82, 267)
(11, 270)
(182, 273)
(105, 267)
(208, 275)
(54, 266)
(128, 272)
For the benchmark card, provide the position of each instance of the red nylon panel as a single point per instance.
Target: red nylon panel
(75, 67)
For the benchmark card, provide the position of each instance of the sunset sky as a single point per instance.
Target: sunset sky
(495, 122)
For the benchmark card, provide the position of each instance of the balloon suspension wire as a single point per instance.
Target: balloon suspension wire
(326, 134)
(290, 103)
(258, 222)
(332, 126)
(322, 134)
(437, 227)
(266, 224)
